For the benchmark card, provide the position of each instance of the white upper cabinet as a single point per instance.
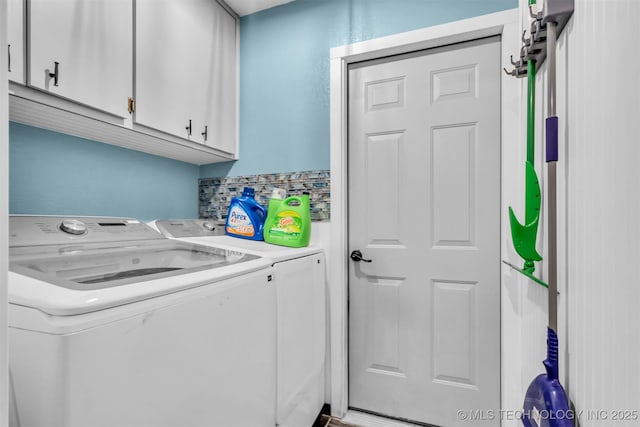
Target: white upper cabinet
(186, 64)
(82, 50)
(74, 71)
(220, 105)
(15, 40)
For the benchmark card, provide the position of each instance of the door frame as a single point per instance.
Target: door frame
(4, 223)
(507, 24)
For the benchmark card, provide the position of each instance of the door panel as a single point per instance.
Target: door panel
(454, 337)
(453, 194)
(424, 200)
(386, 349)
(383, 153)
(454, 83)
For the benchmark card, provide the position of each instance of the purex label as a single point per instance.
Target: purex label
(239, 223)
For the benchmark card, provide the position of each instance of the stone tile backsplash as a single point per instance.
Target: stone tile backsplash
(216, 193)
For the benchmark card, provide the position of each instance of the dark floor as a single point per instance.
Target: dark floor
(329, 421)
(326, 420)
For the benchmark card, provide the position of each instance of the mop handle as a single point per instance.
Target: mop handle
(551, 158)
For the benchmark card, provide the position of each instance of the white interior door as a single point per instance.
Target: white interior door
(424, 207)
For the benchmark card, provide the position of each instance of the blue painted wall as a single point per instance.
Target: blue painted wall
(284, 114)
(284, 72)
(55, 174)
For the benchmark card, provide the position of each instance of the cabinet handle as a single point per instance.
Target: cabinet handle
(55, 73)
(9, 56)
(131, 105)
(188, 128)
(205, 133)
(357, 256)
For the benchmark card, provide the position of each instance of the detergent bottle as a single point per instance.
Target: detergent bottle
(288, 222)
(245, 218)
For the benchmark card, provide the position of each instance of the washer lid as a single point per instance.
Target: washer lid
(74, 265)
(103, 265)
(78, 279)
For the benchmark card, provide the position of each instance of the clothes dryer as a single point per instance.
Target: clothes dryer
(299, 277)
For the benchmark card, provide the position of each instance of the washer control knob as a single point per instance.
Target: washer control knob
(208, 225)
(73, 226)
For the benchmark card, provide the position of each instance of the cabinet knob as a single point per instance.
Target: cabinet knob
(9, 57)
(188, 128)
(55, 73)
(205, 133)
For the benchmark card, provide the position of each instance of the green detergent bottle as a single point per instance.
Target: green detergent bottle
(288, 222)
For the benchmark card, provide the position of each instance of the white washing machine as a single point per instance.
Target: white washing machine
(111, 324)
(299, 277)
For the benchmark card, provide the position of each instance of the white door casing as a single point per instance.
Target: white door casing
(4, 224)
(506, 24)
(424, 205)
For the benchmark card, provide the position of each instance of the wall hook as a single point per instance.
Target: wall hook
(534, 47)
(513, 72)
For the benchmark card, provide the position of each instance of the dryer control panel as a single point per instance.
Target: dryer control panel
(177, 228)
(25, 230)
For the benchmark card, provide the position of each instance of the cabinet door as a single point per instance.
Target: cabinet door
(15, 40)
(220, 102)
(91, 40)
(182, 73)
(168, 73)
